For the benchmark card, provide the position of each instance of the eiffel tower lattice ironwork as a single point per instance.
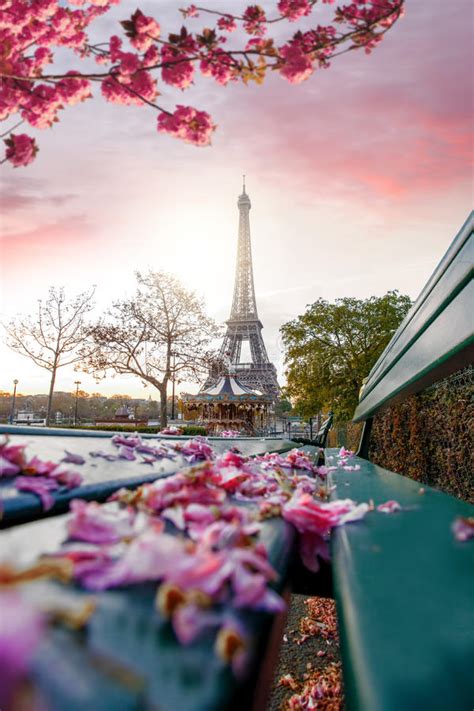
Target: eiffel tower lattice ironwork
(244, 324)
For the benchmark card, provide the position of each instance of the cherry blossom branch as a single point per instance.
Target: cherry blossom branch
(38, 96)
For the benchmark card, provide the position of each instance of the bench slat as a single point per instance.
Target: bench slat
(130, 658)
(101, 478)
(445, 346)
(435, 338)
(405, 590)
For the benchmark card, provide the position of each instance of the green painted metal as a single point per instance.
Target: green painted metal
(129, 658)
(448, 342)
(435, 338)
(404, 589)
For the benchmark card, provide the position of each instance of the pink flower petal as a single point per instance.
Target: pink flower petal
(463, 528)
(8, 468)
(39, 485)
(21, 630)
(71, 458)
(389, 507)
(95, 523)
(190, 621)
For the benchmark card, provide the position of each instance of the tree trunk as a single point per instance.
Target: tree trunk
(163, 390)
(50, 396)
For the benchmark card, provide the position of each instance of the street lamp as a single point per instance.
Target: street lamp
(172, 391)
(12, 413)
(76, 383)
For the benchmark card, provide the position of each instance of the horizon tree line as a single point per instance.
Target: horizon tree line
(162, 333)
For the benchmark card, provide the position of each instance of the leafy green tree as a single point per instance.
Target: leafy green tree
(283, 407)
(332, 347)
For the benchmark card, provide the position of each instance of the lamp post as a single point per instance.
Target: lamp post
(12, 413)
(172, 391)
(76, 383)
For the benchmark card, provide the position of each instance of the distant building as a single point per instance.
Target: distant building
(123, 416)
(26, 417)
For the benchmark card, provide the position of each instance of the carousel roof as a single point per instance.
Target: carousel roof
(228, 387)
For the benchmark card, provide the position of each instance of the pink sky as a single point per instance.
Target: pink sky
(359, 180)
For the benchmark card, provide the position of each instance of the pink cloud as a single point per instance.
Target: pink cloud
(48, 243)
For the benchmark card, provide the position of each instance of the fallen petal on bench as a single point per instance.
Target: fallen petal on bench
(389, 507)
(463, 528)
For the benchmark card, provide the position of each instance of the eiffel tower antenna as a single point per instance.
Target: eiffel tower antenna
(244, 324)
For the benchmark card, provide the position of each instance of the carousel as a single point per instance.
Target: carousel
(228, 405)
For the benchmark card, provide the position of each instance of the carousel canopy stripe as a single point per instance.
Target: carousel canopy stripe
(228, 385)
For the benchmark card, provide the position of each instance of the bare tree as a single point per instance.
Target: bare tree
(160, 334)
(52, 337)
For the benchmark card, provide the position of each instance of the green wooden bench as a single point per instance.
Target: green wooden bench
(128, 658)
(321, 436)
(403, 584)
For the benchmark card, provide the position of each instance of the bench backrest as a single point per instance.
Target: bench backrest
(321, 437)
(435, 339)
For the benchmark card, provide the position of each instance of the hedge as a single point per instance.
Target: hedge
(187, 430)
(428, 436)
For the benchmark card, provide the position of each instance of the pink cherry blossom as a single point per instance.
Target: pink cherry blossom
(21, 630)
(127, 441)
(389, 507)
(142, 30)
(129, 63)
(177, 71)
(8, 468)
(42, 486)
(72, 89)
(306, 514)
(190, 621)
(312, 546)
(229, 478)
(72, 458)
(39, 466)
(33, 33)
(66, 477)
(297, 66)
(190, 11)
(294, 9)
(129, 90)
(93, 523)
(171, 430)
(463, 528)
(197, 449)
(220, 67)
(254, 20)
(127, 453)
(227, 23)
(21, 149)
(13, 453)
(150, 556)
(181, 489)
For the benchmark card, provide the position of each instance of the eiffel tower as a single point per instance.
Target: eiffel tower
(244, 324)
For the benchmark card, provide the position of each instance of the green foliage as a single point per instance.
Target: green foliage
(283, 407)
(332, 347)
